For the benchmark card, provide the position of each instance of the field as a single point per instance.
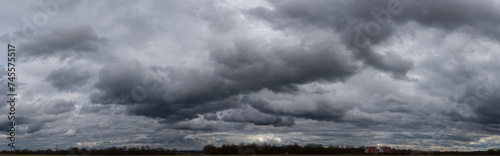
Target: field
(251, 154)
(326, 155)
(296, 155)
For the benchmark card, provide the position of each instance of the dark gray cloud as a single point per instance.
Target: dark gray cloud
(219, 19)
(68, 79)
(250, 115)
(60, 106)
(240, 69)
(244, 66)
(94, 108)
(63, 42)
(347, 18)
(279, 68)
(479, 103)
(3, 80)
(317, 109)
(174, 112)
(37, 117)
(117, 80)
(478, 17)
(207, 125)
(375, 20)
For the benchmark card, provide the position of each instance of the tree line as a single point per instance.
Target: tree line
(494, 151)
(145, 150)
(283, 149)
(237, 149)
(320, 149)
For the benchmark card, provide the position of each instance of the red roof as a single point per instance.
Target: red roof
(372, 149)
(386, 149)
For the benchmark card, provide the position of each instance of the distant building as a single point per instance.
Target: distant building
(375, 150)
(385, 150)
(371, 150)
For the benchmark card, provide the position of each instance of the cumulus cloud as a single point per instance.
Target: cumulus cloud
(62, 42)
(202, 124)
(334, 16)
(251, 115)
(68, 78)
(309, 108)
(239, 69)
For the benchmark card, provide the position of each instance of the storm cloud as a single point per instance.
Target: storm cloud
(63, 42)
(68, 78)
(406, 74)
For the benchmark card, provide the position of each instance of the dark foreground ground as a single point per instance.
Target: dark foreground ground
(257, 155)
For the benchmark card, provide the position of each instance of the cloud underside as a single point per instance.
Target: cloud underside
(241, 65)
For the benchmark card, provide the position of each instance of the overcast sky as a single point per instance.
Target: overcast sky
(181, 73)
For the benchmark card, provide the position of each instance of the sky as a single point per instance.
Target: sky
(184, 73)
